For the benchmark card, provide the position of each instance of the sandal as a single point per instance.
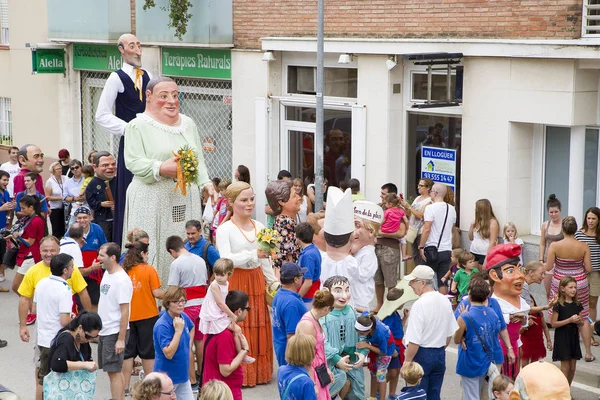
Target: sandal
(592, 358)
(4, 290)
(595, 343)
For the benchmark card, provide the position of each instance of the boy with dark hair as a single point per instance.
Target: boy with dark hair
(354, 185)
(310, 258)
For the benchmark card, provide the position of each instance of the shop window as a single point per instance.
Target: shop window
(590, 179)
(4, 38)
(438, 86)
(339, 82)
(425, 130)
(6, 137)
(591, 18)
(556, 166)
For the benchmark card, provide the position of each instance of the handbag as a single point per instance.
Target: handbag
(79, 385)
(10, 256)
(431, 252)
(411, 235)
(323, 375)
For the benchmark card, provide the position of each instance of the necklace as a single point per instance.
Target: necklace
(242, 232)
(317, 320)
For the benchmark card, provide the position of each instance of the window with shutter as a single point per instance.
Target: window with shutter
(4, 38)
(5, 122)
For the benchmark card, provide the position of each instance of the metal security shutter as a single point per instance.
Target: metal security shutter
(94, 137)
(208, 103)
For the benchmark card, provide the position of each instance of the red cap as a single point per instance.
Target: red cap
(503, 254)
(63, 153)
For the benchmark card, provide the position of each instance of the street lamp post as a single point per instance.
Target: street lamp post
(319, 139)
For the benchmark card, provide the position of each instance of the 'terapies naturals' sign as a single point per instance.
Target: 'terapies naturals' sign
(196, 63)
(48, 61)
(96, 57)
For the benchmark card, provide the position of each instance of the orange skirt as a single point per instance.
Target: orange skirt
(257, 325)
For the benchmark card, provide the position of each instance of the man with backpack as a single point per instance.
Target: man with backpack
(198, 245)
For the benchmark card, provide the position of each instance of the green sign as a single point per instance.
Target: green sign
(196, 63)
(96, 57)
(48, 61)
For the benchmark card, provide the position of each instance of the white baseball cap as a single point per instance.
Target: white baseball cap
(421, 272)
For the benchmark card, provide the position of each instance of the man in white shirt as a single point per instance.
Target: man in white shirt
(116, 290)
(73, 243)
(12, 167)
(436, 236)
(431, 324)
(54, 301)
(125, 90)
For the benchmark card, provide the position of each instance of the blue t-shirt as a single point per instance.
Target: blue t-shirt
(212, 254)
(4, 198)
(43, 204)
(493, 304)
(177, 367)
(394, 322)
(412, 393)
(380, 338)
(310, 257)
(302, 388)
(288, 309)
(94, 239)
(474, 361)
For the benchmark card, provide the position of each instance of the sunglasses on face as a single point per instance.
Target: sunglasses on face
(89, 337)
(74, 168)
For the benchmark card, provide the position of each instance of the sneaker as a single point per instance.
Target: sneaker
(195, 387)
(127, 393)
(3, 343)
(2, 278)
(31, 319)
(248, 360)
(141, 375)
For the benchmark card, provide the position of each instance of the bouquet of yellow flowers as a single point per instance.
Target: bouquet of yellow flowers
(187, 168)
(268, 239)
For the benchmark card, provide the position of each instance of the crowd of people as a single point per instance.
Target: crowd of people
(96, 251)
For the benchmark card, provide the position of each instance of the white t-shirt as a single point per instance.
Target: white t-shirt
(71, 247)
(52, 297)
(435, 213)
(115, 289)
(331, 267)
(13, 170)
(188, 270)
(431, 321)
(58, 189)
(362, 284)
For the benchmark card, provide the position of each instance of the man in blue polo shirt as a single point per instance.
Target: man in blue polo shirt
(196, 243)
(288, 308)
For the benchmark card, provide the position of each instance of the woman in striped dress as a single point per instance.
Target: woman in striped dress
(572, 258)
(590, 235)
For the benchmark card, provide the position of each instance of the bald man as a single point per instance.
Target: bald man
(125, 90)
(553, 386)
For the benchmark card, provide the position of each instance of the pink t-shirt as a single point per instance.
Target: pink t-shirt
(221, 350)
(393, 217)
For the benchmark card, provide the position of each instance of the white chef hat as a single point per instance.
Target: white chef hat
(368, 210)
(339, 216)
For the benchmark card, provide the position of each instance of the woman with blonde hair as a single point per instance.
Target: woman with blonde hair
(484, 231)
(236, 240)
(293, 379)
(216, 390)
(309, 325)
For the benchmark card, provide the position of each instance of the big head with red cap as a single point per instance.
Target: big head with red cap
(503, 266)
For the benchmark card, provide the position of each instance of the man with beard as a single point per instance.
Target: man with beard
(343, 358)
(97, 191)
(125, 90)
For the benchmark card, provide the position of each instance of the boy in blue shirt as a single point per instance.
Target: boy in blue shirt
(412, 373)
(310, 258)
(288, 308)
(394, 322)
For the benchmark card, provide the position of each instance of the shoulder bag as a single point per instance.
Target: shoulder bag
(10, 256)
(431, 252)
(289, 385)
(492, 371)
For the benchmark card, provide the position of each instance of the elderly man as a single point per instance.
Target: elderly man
(98, 194)
(48, 249)
(430, 327)
(436, 238)
(125, 90)
(155, 386)
(72, 243)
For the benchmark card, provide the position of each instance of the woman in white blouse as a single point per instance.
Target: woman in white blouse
(253, 273)
(55, 194)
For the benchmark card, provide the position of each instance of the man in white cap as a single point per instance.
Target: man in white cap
(367, 221)
(430, 327)
(339, 226)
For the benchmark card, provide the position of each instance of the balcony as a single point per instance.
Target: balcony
(88, 20)
(211, 24)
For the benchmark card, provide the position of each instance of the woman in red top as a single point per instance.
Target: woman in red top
(29, 235)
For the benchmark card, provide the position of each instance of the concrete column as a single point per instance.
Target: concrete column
(576, 171)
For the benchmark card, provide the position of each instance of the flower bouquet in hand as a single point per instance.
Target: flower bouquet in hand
(187, 168)
(268, 240)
